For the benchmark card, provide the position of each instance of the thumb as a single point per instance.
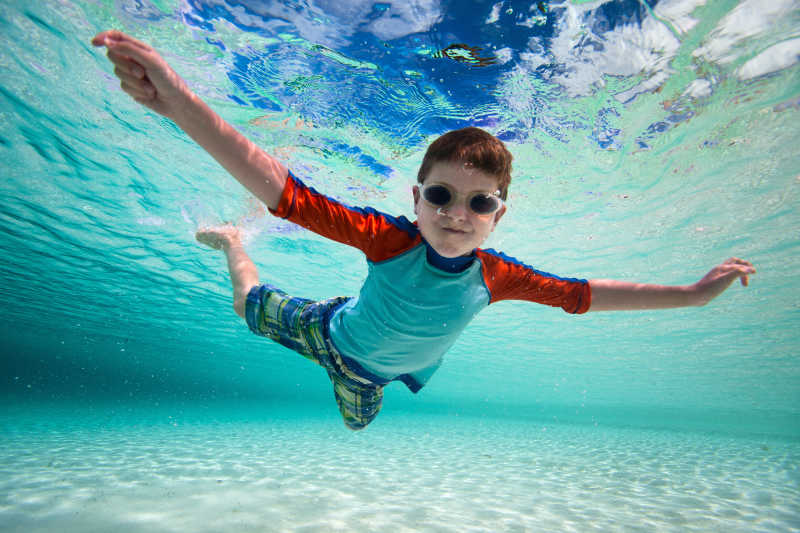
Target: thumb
(106, 38)
(126, 45)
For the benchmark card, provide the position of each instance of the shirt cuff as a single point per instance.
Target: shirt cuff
(286, 202)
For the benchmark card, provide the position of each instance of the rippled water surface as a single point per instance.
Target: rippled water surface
(652, 140)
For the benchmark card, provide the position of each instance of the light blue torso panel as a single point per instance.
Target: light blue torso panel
(408, 314)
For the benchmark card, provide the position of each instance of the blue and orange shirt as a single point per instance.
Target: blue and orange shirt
(414, 303)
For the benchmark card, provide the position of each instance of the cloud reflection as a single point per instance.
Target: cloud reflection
(332, 22)
(586, 47)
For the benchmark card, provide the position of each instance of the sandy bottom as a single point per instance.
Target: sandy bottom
(406, 473)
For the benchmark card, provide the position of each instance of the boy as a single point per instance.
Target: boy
(427, 279)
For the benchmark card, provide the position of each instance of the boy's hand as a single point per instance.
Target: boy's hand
(151, 82)
(720, 278)
(144, 74)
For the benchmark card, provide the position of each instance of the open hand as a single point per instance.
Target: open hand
(721, 276)
(144, 74)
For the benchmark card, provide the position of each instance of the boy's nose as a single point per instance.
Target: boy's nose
(457, 211)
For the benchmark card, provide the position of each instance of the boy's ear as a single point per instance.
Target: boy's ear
(415, 190)
(498, 216)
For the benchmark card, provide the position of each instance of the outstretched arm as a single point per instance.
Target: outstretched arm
(149, 80)
(610, 295)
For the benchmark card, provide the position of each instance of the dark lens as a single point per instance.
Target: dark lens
(483, 204)
(437, 195)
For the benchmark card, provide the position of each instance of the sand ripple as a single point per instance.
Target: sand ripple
(405, 473)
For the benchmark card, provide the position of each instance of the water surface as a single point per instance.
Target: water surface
(652, 140)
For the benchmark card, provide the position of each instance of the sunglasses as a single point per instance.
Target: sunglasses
(481, 203)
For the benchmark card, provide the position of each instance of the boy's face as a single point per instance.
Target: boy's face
(456, 230)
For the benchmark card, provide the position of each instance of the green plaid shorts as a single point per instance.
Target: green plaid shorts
(302, 325)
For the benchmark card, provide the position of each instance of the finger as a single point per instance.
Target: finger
(147, 102)
(136, 92)
(145, 57)
(746, 267)
(113, 37)
(741, 270)
(126, 64)
(143, 83)
(737, 261)
(100, 38)
(133, 92)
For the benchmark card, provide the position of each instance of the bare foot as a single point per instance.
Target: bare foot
(219, 237)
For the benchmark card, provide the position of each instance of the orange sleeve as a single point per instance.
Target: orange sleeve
(508, 279)
(378, 235)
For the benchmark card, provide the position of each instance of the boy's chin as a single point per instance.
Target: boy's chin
(451, 253)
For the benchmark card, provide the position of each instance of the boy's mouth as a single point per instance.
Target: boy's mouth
(453, 230)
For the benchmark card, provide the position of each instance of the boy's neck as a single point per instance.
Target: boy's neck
(448, 264)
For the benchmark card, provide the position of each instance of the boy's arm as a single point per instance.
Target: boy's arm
(149, 80)
(610, 295)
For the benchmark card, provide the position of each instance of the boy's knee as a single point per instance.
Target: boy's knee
(357, 425)
(240, 300)
(358, 421)
(240, 306)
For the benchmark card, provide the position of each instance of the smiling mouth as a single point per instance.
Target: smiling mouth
(452, 230)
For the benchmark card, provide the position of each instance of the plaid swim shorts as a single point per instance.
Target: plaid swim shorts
(302, 325)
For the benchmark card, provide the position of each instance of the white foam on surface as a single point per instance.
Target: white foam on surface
(404, 473)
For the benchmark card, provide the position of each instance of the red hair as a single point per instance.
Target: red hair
(470, 145)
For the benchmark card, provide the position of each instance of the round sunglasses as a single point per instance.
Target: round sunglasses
(443, 196)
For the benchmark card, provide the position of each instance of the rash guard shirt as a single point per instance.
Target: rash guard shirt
(414, 303)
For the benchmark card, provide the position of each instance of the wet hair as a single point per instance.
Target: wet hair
(472, 146)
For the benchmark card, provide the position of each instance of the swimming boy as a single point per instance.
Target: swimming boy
(427, 279)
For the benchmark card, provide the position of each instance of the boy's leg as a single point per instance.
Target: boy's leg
(296, 323)
(358, 403)
(244, 275)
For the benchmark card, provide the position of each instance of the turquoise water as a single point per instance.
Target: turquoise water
(651, 142)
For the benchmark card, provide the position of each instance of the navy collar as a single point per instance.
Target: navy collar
(448, 264)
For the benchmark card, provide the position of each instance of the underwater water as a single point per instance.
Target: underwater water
(652, 140)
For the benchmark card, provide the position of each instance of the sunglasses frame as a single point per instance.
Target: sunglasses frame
(454, 196)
